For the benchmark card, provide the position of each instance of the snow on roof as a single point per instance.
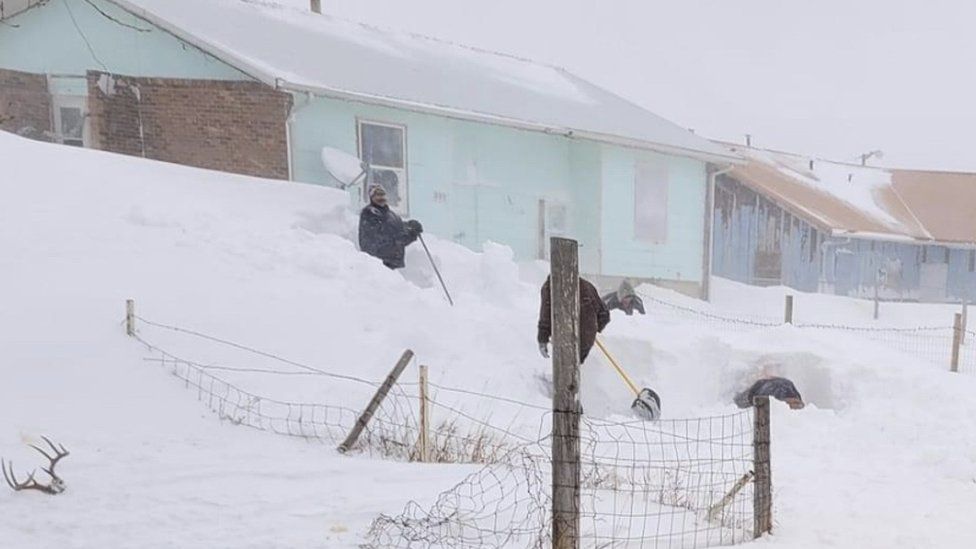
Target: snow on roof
(865, 202)
(303, 51)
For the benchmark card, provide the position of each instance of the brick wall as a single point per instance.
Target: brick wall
(25, 104)
(235, 127)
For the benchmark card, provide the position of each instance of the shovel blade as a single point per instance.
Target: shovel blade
(647, 405)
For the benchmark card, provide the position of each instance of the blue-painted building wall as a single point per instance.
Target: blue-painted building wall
(69, 37)
(756, 241)
(469, 182)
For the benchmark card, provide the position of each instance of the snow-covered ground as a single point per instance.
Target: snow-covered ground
(884, 455)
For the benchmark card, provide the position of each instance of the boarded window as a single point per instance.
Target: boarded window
(651, 202)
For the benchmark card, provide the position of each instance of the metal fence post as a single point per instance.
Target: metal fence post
(788, 315)
(762, 501)
(956, 341)
(965, 321)
(564, 292)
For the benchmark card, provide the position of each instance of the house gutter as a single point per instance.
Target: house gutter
(709, 241)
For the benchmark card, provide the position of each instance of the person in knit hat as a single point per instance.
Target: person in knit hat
(625, 299)
(382, 233)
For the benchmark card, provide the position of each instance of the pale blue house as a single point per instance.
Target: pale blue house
(478, 145)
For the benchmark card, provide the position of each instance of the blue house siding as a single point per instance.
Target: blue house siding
(68, 37)
(679, 257)
(468, 181)
(758, 242)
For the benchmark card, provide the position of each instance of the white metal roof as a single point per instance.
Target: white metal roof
(302, 51)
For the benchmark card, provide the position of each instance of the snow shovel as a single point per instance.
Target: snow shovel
(647, 405)
(436, 271)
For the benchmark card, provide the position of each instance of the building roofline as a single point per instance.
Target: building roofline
(258, 73)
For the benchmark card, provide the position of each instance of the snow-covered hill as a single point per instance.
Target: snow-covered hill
(884, 456)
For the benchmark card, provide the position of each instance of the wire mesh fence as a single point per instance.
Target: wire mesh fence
(929, 343)
(667, 484)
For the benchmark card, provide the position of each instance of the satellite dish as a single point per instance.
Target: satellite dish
(343, 167)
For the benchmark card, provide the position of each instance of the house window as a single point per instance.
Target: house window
(972, 261)
(70, 120)
(384, 147)
(651, 202)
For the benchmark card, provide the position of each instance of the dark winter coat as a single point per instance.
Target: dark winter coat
(779, 388)
(627, 304)
(594, 316)
(384, 235)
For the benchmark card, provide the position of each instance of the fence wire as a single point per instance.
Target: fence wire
(929, 343)
(667, 484)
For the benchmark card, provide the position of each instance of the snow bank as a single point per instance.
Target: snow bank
(885, 440)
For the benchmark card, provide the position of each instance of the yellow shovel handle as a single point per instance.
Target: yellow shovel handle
(620, 370)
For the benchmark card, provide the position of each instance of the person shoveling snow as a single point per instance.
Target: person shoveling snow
(593, 318)
(382, 233)
(625, 299)
(779, 388)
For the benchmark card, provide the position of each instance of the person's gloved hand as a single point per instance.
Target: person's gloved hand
(415, 227)
(544, 350)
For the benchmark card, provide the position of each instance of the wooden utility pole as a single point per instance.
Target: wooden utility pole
(788, 315)
(564, 288)
(762, 501)
(375, 402)
(423, 444)
(956, 342)
(130, 317)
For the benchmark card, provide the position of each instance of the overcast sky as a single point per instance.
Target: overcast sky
(827, 77)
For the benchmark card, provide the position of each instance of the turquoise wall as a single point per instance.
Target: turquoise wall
(468, 182)
(680, 257)
(52, 38)
(473, 182)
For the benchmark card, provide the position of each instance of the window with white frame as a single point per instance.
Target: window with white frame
(384, 147)
(651, 202)
(70, 117)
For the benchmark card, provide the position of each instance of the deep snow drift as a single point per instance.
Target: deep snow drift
(883, 457)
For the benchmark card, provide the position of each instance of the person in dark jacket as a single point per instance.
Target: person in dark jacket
(382, 233)
(594, 317)
(779, 388)
(625, 299)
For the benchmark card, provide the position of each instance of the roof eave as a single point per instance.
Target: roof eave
(253, 70)
(487, 118)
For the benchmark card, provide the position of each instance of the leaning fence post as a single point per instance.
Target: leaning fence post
(788, 315)
(956, 341)
(375, 402)
(423, 441)
(762, 501)
(564, 294)
(130, 317)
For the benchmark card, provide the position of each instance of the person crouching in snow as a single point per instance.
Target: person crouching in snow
(779, 388)
(382, 233)
(593, 318)
(625, 299)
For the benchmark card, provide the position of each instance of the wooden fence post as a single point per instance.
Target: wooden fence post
(762, 501)
(956, 341)
(965, 322)
(375, 402)
(788, 316)
(564, 292)
(130, 317)
(423, 442)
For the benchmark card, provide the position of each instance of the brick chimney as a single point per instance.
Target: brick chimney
(316, 6)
